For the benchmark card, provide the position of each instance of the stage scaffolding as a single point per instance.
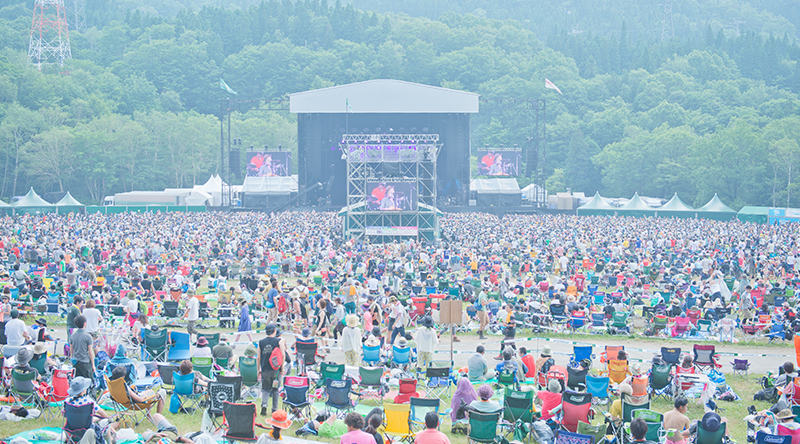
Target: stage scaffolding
(391, 158)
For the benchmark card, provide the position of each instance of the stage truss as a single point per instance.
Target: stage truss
(391, 158)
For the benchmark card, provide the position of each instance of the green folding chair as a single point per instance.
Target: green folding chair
(203, 365)
(598, 431)
(248, 368)
(482, 427)
(660, 382)
(517, 410)
(213, 339)
(653, 421)
(330, 370)
(706, 437)
(371, 385)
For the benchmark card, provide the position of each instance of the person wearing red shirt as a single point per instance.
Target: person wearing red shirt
(431, 434)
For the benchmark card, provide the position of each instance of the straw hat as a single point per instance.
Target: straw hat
(279, 419)
(785, 414)
(625, 388)
(351, 320)
(39, 348)
(708, 305)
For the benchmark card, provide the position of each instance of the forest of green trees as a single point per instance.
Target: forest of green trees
(713, 109)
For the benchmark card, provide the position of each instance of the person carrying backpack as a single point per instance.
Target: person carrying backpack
(271, 354)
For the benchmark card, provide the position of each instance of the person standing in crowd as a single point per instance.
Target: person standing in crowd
(426, 338)
(351, 341)
(192, 314)
(267, 361)
(81, 347)
(16, 332)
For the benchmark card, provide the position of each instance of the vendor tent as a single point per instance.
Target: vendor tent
(758, 215)
(68, 204)
(267, 192)
(636, 208)
(716, 210)
(597, 206)
(199, 198)
(675, 208)
(31, 203)
(496, 192)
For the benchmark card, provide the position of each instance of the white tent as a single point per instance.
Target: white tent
(270, 185)
(533, 191)
(199, 198)
(496, 192)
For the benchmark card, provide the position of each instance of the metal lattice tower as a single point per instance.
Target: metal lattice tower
(49, 34)
(76, 14)
(667, 26)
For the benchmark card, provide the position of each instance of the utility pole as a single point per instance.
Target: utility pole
(49, 41)
(736, 23)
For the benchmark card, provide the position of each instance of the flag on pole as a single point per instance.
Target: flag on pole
(549, 84)
(224, 86)
(347, 102)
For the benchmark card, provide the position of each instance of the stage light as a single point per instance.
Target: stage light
(344, 156)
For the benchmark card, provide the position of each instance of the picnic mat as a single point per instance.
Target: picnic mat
(44, 434)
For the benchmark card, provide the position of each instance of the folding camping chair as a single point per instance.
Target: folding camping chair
(306, 356)
(575, 407)
(558, 315)
(671, 355)
(419, 407)
(610, 353)
(295, 399)
(203, 365)
(705, 357)
(767, 438)
(338, 394)
(241, 421)
(188, 400)
(707, 437)
(704, 328)
(170, 309)
(23, 389)
(437, 382)
(659, 325)
(726, 328)
(597, 431)
(218, 394)
(617, 370)
(740, 366)
(776, 331)
(401, 357)
(598, 324)
(579, 353)
(407, 388)
(482, 427)
(598, 387)
(155, 344)
(180, 348)
(564, 437)
(396, 421)
(123, 405)
(330, 370)
(619, 322)
(371, 384)
(248, 368)
(576, 379)
(653, 420)
(660, 382)
(237, 385)
(165, 372)
(517, 407)
(371, 355)
(54, 398)
(77, 421)
(551, 404)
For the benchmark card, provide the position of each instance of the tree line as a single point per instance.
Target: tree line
(138, 105)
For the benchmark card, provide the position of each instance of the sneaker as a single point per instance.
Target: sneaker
(263, 411)
(455, 339)
(498, 358)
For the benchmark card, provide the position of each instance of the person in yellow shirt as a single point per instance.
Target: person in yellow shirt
(615, 411)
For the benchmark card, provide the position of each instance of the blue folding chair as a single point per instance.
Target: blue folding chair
(598, 387)
(766, 438)
(776, 331)
(179, 349)
(78, 421)
(579, 353)
(565, 437)
(338, 394)
(372, 355)
(188, 400)
(401, 357)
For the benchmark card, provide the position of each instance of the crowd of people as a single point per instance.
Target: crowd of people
(295, 273)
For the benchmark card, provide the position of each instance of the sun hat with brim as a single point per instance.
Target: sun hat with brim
(39, 348)
(402, 342)
(427, 321)
(78, 385)
(711, 422)
(279, 419)
(708, 304)
(785, 414)
(546, 351)
(202, 341)
(24, 356)
(42, 322)
(351, 320)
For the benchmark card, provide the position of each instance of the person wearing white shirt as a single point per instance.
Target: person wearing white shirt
(93, 318)
(192, 314)
(16, 332)
(426, 339)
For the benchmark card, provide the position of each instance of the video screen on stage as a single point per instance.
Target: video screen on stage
(391, 196)
(498, 162)
(269, 163)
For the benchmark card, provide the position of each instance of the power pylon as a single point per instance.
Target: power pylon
(667, 26)
(76, 14)
(49, 34)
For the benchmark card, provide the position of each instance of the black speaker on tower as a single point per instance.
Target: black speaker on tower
(235, 163)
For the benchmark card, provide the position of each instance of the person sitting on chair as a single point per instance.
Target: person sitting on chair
(200, 381)
(639, 431)
(146, 396)
(77, 397)
(484, 403)
(431, 434)
(23, 358)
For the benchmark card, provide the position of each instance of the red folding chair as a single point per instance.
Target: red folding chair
(575, 407)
